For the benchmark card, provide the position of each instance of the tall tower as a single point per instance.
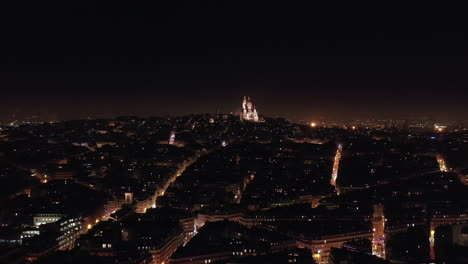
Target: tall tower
(378, 237)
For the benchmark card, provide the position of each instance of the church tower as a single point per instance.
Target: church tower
(249, 112)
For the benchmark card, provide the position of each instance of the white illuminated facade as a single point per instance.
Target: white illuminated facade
(41, 219)
(172, 138)
(249, 113)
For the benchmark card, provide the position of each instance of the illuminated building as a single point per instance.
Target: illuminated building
(442, 164)
(41, 219)
(172, 138)
(249, 113)
(172, 141)
(128, 197)
(70, 230)
(321, 246)
(441, 220)
(115, 202)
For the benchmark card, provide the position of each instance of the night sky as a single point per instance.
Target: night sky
(332, 60)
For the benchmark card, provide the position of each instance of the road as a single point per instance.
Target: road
(336, 166)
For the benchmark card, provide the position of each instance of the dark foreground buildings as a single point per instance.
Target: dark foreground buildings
(217, 189)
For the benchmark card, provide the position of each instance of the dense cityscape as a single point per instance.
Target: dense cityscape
(233, 188)
(233, 132)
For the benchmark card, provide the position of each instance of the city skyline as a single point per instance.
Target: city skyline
(222, 188)
(218, 132)
(233, 108)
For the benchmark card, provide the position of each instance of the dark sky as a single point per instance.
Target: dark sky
(296, 60)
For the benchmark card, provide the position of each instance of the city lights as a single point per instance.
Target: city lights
(231, 132)
(439, 128)
(336, 166)
(442, 164)
(263, 165)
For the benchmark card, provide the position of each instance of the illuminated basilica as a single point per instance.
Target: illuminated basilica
(249, 113)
